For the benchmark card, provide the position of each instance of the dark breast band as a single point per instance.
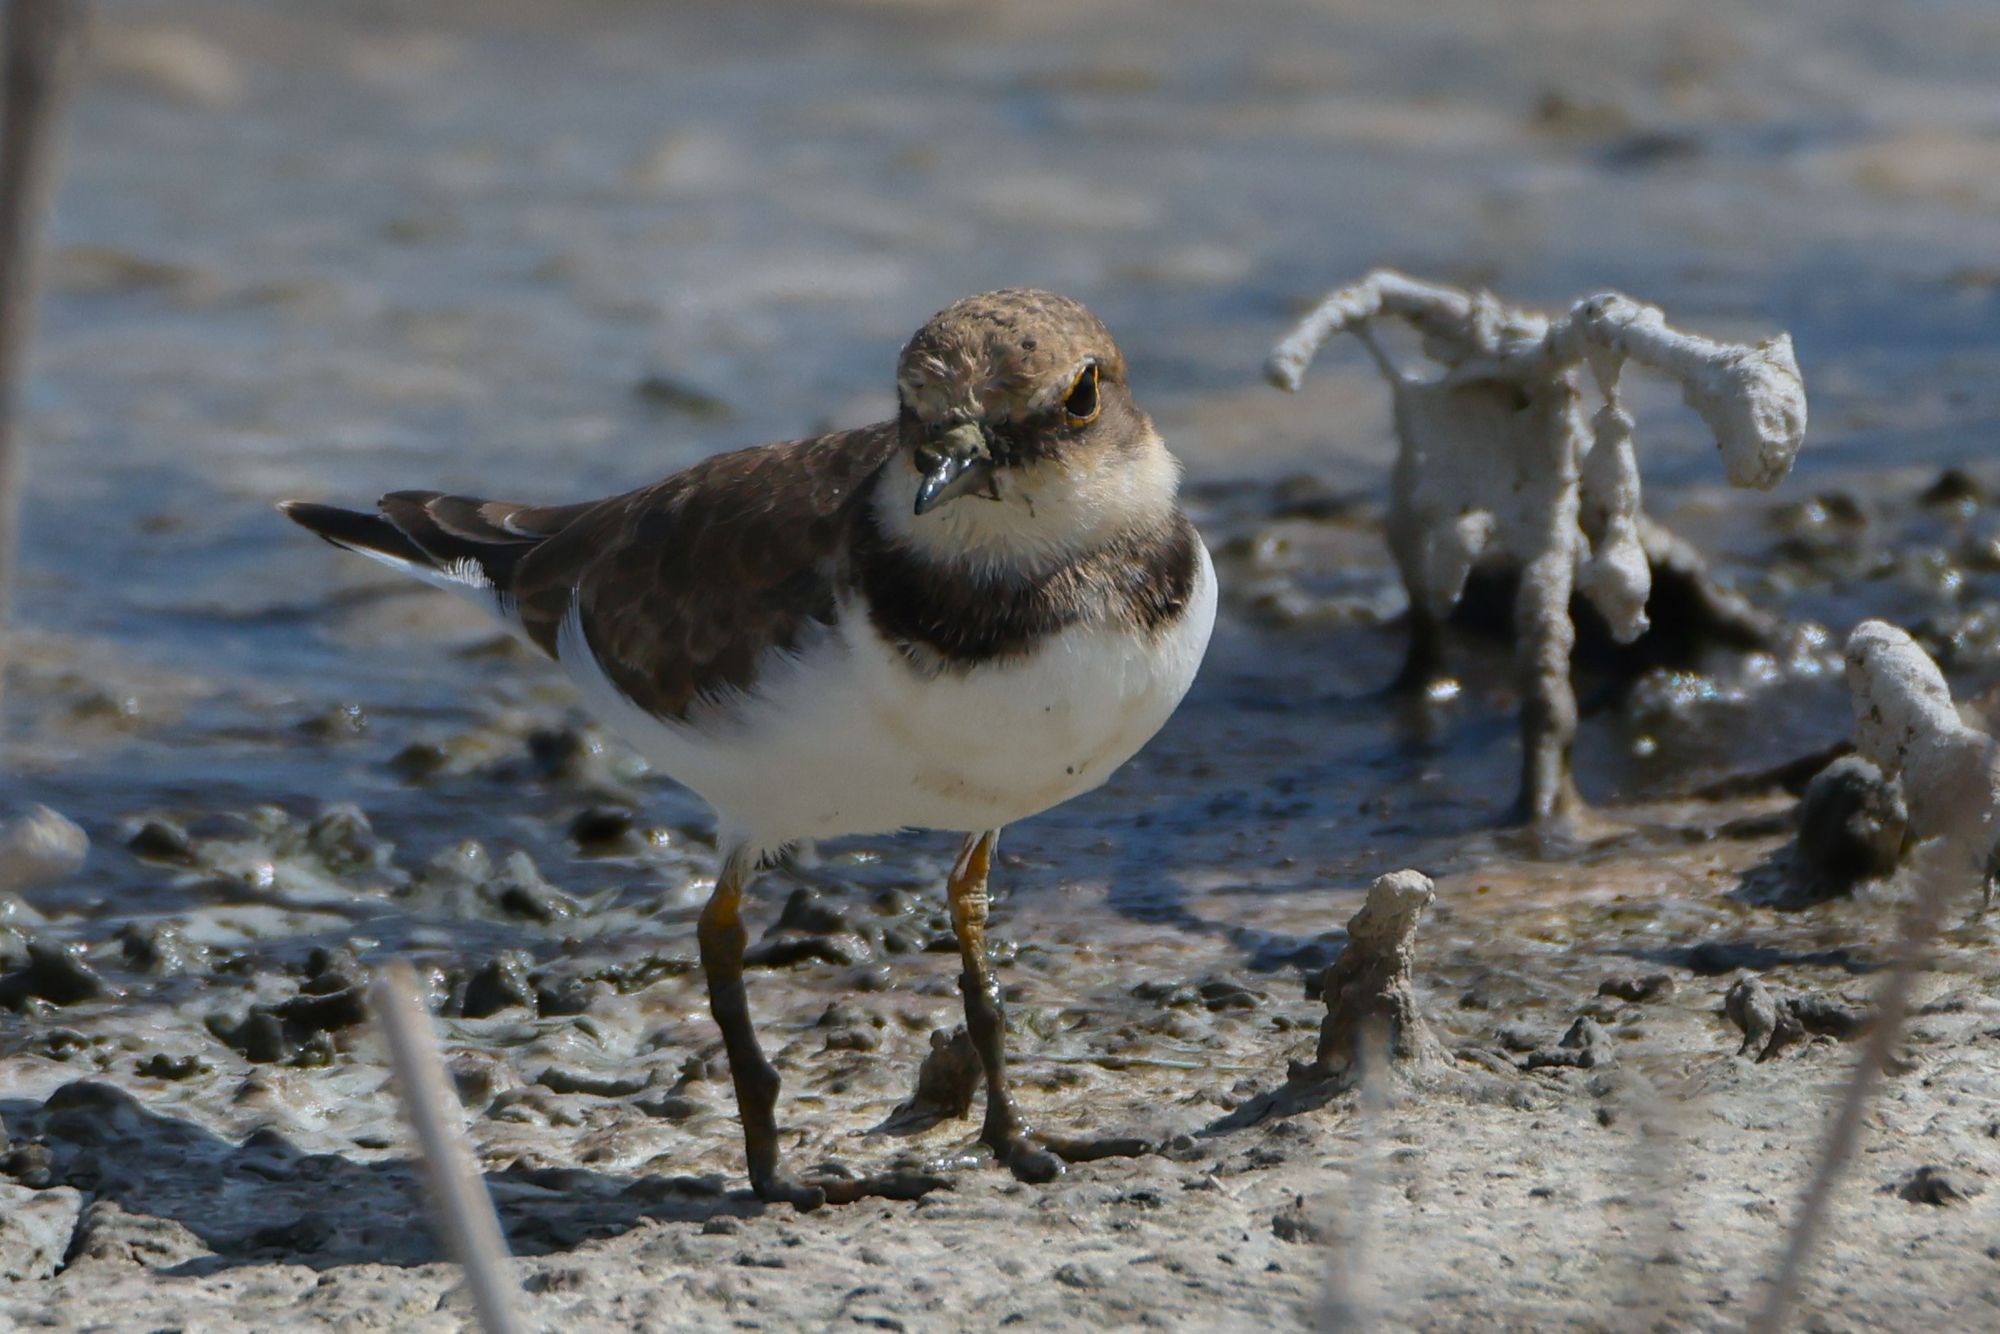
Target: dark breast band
(1143, 579)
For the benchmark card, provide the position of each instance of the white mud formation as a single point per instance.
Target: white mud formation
(1495, 458)
(1905, 722)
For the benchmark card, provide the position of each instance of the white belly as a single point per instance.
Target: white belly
(847, 738)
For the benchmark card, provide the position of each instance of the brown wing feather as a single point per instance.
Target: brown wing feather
(684, 586)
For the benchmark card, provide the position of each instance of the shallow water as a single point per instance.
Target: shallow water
(358, 250)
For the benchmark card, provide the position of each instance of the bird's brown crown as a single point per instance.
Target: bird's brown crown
(1020, 444)
(1006, 356)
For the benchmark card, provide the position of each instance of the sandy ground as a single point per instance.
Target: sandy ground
(1650, 1191)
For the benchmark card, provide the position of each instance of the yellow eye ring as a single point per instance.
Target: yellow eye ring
(1082, 403)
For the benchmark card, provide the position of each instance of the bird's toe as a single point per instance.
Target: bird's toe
(1032, 1163)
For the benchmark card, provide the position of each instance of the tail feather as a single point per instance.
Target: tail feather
(457, 542)
(368, 533)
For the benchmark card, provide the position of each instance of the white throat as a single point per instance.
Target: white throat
(1049, 512)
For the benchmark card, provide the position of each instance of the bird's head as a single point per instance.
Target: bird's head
(1019, 433)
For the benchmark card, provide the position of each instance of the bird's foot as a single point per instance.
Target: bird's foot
(783, 1188)
(903, 1183)
(1030, 1162)
(1080, 1150)
(1021, 1155)
(809, 1193)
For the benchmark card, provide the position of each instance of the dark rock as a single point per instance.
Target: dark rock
(567, 1279)
(418, 761)
(158, 947)
(161, 1066)
(55, 972)
(1851, 826)
(602, 827)
(1934, 1186)
(259, 1035)
(803, 911)
(503, 981)
(1219, 993)
(477, 1079)
(293, 1031)
(1752, 1008)
(1083, 1277)
(1830, 1018)
(324, 1014)
(1166, 994)
(1954, 488)
(162, 840)
(561, 997)
(563, 754)
(344, 841)
(854, 1039)
(1586, 1046)
(843, 1014)
(600, 1086)
(331, 970)
(946, 1082)
(33, 1165)
(518, 889)
(1771, 1023)
(1628, 987)
(674, 1107)
(1294, 1223)
(59, 1043)
(531, 1106)
(893, 902)
(785, 951)
(336, 723)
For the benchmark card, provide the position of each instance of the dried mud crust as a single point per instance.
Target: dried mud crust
(1598, 1145)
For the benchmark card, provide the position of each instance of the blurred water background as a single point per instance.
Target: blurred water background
(535, 251)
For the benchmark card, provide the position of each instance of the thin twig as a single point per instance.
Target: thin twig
(43, 37)
(1905, 722)
(1892, 1007)
(458, 1195)
(1356, 1281)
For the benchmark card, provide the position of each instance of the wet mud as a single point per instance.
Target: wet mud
(327, 252)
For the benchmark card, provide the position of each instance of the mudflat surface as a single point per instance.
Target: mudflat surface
(330, 250)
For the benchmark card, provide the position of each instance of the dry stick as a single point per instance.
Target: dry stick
(42, 41)
(1352, 1298)
(1664, 1118)
(464, 1210)
(1920, 927)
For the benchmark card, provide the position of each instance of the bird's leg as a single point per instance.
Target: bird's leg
(985, 1020)
(722, 938)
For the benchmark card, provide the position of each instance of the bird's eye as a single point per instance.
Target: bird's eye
(1080, 405)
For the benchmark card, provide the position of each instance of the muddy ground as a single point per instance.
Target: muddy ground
(325, 251)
